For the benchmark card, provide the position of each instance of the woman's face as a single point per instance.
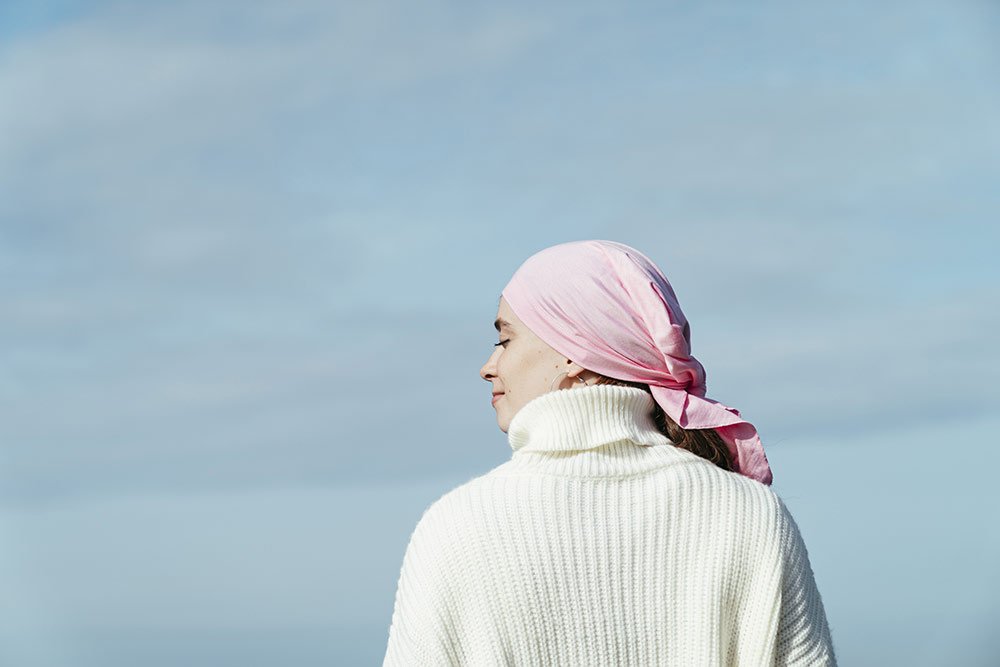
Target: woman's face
(522, 367)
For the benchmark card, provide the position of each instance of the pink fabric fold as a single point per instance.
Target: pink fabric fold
(607, 307)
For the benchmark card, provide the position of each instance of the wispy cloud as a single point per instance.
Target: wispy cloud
(240, 237)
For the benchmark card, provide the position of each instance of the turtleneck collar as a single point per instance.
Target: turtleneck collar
(584, 418)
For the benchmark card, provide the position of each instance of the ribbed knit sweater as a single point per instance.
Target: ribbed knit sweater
(601, 543)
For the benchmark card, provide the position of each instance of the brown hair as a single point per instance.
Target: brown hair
(705, 442)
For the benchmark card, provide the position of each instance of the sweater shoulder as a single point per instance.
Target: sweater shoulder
(703, 478)
(506, 495)
(454, 513)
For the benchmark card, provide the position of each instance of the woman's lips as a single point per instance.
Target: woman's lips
(495, 398)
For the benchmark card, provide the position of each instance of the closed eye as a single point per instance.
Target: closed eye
(503, 343)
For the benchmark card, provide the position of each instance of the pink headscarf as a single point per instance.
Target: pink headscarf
(608, 308)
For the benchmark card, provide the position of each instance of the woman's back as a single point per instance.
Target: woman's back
(599, 543)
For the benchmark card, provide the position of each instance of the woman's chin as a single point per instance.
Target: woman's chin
(502, 421)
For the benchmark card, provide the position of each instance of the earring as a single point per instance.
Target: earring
(582, 381)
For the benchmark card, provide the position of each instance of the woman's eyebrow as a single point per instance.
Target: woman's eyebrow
(501, 323)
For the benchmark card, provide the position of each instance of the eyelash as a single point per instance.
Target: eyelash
(502, 343)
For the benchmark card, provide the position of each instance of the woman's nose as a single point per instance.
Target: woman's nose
(489, 369)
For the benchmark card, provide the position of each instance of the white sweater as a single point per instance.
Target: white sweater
(600, 543)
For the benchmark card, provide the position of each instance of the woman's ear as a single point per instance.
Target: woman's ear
(575, 371)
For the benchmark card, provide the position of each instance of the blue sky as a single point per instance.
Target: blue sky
(251, 254)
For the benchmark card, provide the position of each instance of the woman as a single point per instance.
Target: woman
(633, 524)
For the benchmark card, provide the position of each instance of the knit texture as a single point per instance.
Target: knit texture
(600, 543)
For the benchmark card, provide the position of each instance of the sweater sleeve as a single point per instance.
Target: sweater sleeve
(421, 630)
(803, 636)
